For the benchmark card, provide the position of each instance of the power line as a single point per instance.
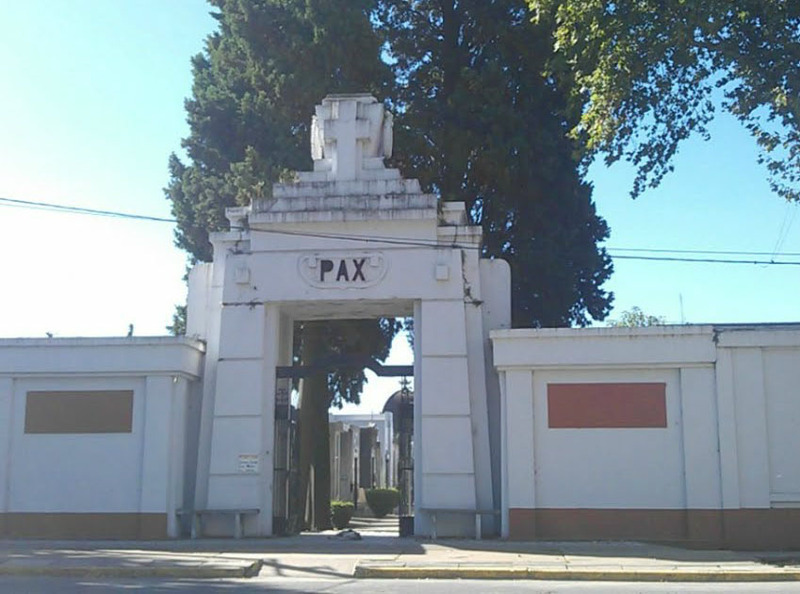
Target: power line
(786, 225)
(714, 252)
(431, 243)
(124, 215)
(707, 260)
(365, 238)
(81, 210)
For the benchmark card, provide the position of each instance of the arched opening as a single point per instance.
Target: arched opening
(341, 458)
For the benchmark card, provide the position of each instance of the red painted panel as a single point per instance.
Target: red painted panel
(584, 406)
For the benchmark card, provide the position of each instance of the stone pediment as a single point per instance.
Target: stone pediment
(350, 137)
(345, 201)
(343, 208)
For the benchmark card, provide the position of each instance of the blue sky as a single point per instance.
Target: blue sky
(716, 199)
(91, 105)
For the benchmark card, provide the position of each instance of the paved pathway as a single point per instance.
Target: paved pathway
(388, 526)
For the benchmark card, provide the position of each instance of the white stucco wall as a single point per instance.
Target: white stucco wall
(732, 407)
(598, 467)
(615, 468)
(782, 390)
(758, 378)
(143, 471)
(730, 440)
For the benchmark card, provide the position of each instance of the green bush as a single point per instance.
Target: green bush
(341, 513)
(382, 501)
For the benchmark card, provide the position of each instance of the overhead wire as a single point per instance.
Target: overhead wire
(706, 260)
(81, 210)
(786, 225)
(416, 242)
(407, 241)
(714, 252)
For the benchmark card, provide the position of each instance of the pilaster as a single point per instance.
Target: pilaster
(6, 438)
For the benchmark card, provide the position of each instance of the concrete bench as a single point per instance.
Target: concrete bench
(238, 518)
(478, 513)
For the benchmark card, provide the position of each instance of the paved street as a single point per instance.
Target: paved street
(46, 585)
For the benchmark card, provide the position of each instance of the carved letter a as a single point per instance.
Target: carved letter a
(342, 271)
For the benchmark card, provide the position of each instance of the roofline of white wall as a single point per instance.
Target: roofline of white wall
(104, 341)
(661, 330)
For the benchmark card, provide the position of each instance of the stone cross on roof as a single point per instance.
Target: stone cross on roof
(350, 137)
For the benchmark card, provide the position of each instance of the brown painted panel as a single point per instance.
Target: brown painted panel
(97, 411)
(609, 524)
(84, 525)
(612, 406)
(762, 528)
(741, 529)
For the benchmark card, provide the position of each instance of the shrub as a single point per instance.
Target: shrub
(382, 501)
(341, 513)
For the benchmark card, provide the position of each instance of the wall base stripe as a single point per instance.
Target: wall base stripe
(84, 525)
(704, 528)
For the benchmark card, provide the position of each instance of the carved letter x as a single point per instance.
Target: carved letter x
(359, 273)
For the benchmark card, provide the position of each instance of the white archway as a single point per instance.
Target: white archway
(350, 239)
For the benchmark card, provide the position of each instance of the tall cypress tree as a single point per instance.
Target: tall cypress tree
(476, 120)
(255, 87)
(479, 120)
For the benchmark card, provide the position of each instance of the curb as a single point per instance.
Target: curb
(594, 575)
(239, 571)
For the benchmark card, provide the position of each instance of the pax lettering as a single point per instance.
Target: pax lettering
(342, 270)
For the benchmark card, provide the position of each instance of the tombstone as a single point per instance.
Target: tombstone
(350, 239)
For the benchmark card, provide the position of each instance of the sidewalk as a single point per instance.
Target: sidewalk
(381, 556)
(585, 561)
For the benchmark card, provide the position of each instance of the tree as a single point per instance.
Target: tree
(646, 74)
(478, 122)
(178, 326)
(320, 392)
(636, 318)
(255, 87)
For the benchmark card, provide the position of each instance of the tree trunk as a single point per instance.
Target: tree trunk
(314, 440)
(322, 467)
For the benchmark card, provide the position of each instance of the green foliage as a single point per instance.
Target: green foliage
(359, 337)
(382, 501)
(476, 121)
(646, 74)
(636, 318)
(255, 87)
(178, 326)
(341, 513)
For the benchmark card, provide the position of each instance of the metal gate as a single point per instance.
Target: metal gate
(285, 479)
(286, 476)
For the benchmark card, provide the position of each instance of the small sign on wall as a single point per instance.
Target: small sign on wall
(248, 463)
